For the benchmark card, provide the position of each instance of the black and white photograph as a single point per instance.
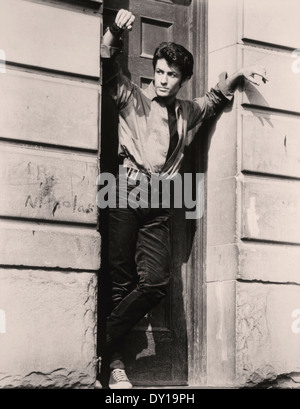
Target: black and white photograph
(150, 197)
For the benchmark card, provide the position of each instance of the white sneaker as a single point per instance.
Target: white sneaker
(118, 380)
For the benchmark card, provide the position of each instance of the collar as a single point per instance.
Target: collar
(151, 94)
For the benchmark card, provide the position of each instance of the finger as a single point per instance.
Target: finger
(130, 22)
(124, 19)
(263, 75)
(119, 16)
(250, 79)
(261, 71)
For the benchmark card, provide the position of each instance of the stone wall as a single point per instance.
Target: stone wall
(49, 239)
(50, 333)
(253, 274)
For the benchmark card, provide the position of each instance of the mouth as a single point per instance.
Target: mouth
(163, 89)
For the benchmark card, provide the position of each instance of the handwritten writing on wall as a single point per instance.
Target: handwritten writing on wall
(56, 204)
(46, 185)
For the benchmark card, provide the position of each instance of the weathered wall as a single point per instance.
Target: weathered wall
(50, 328)
(253, 273)
(49, 148)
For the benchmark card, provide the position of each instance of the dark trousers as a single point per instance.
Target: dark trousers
(139, 261)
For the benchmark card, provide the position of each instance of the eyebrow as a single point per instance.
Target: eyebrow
(168, 72)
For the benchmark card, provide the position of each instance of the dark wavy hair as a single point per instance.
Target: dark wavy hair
(175, 54)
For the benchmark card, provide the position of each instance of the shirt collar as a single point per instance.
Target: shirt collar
(151, 94)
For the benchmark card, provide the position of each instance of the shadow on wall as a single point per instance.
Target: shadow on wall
(255, 98)
(256, 103)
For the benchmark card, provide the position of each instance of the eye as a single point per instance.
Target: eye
(158, 71)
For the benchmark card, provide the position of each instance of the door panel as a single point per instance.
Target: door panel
(157, 348)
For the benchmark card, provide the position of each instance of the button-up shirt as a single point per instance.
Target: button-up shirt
(144, 132)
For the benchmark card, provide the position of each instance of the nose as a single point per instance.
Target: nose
(164, 79)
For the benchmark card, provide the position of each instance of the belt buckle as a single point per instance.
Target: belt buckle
(132, 174)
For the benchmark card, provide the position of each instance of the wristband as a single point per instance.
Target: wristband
(116, 30)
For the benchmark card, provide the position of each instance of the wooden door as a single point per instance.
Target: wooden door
(157, 348)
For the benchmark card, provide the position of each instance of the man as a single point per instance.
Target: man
(153, 131)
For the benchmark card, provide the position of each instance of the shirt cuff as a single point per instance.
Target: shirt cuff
(223, 87)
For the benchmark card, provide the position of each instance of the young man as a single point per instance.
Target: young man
(153, 127)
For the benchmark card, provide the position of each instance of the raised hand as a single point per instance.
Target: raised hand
(250, 72)
(125, 19)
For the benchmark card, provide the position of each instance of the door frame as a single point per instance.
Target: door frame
(196, 307)
(196, 265)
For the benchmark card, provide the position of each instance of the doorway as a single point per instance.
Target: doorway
(168, 347)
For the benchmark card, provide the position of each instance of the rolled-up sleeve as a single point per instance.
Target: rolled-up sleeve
(108, 51)
(211, 103)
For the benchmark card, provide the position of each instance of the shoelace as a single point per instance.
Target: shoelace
(120, 375)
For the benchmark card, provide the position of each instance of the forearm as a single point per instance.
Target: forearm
(111, 39)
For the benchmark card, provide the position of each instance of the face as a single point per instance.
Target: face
(167, 80)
